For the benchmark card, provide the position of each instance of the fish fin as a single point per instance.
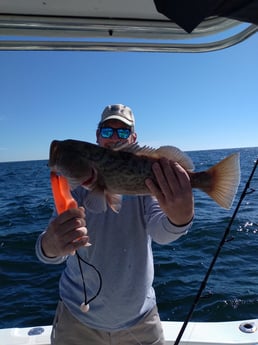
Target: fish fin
(114, 201)
(134, 148)
(125, 146)
(225, 180)
(171, 152)
(96, 201)
(175, 154)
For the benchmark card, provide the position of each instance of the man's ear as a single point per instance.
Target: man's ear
(134, 135)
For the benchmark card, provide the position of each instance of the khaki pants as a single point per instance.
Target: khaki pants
(67, 330)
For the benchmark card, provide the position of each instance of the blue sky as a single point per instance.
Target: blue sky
(192, 101)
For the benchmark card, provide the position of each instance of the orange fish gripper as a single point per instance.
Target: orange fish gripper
(61, 193)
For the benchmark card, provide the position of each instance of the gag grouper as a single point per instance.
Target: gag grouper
(110, 173)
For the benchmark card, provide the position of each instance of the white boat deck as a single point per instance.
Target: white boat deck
(196, 333)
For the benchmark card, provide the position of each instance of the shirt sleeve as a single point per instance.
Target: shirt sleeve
(45, 259)
(159, 227)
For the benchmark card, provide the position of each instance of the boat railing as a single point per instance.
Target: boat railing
(21, 32)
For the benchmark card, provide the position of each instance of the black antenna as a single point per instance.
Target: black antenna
(203, 283)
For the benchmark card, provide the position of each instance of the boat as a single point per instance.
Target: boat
(135, 26)
(197, 333)
(171, 26)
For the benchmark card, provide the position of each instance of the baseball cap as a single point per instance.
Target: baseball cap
(118, 112)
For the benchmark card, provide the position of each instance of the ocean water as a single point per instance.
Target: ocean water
(29, 289)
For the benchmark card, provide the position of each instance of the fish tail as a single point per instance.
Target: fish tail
(224, 181)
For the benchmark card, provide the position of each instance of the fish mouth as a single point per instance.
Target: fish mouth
(53, 154)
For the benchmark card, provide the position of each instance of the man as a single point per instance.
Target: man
(113, 266)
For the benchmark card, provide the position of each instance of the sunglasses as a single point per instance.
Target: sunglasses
(108, 132)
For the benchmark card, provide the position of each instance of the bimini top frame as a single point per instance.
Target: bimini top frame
(134, 27)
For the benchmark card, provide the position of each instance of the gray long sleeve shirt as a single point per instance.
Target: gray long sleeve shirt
(122, 253)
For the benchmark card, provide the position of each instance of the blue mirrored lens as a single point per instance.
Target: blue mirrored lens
(106, 132)
(122, 133)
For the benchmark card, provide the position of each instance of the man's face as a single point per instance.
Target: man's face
(109, 142)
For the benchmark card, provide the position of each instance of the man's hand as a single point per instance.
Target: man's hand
(66, 233)
(173, 191)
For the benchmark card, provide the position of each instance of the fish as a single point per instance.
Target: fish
(120, 170)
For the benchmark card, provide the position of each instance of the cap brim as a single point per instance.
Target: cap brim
(117, 117)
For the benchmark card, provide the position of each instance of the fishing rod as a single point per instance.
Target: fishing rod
(223, 240)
